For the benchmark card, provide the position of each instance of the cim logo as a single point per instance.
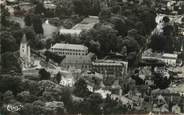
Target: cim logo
(14, 108)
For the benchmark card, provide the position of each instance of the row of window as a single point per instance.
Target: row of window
(69, 53)
(106, 66)
(108, 69)
(75, 50)
(83, 66)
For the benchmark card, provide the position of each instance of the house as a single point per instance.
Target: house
(167, 58)
(170, 59)
(49, 5)
(67, 79)
(122, 99)
(90, 74)
(76, 55)
(69, 82)
(103, 92)
(90, 87)
(110, 67)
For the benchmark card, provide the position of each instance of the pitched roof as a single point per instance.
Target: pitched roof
(24, 39)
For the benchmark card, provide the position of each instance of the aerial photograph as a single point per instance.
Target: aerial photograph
(91, 57)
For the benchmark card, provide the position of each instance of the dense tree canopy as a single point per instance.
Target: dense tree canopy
(8, 42)
(37, 24)
(10, 63)
(80, 88)
(44, 75)
(162, 40)
(102, 40)
(12, 83)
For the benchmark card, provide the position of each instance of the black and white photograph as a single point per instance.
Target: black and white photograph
(91, 57)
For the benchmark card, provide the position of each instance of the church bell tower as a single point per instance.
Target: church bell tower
(25, 51)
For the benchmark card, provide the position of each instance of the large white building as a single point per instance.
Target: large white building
(110, 67)
(168, 58)
(76, 56)
(69, 49)
(85, 25)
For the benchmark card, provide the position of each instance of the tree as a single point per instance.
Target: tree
(104, 39)
(54, 108)
(58, 77)
(8, 96)
(24, 96)
(162, 40)
(30, 34)
(53, 56)
(95, 100)
(38, 107)
(94, 46)
(39, 8)
(82, 7)
(105, 14)
(27, 109)
(44, 75)
(10, 63)
(27, 20)
(95, 7)
(66, 97)
(65, 9)
(31, 86)
(108, 80)
(12, 83)
(119, 25)
(8, 42)
(147, 16)
(80, 88)
(37, 24)
(161, 81)
(4, 15)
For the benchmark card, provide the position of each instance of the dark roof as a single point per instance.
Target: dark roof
(24, 39)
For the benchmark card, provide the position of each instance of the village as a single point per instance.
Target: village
(87, 57)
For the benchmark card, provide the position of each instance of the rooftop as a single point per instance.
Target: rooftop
(109, 62)
(69, 46)
(87, 23)
(70, 31)
(167, 55)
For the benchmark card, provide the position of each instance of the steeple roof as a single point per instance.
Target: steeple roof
(24, 39)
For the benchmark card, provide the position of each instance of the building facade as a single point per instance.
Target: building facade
(76, 56)
(110, 67)
(170, 59)
(167, 58)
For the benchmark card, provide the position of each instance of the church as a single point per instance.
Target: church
(25, 52)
